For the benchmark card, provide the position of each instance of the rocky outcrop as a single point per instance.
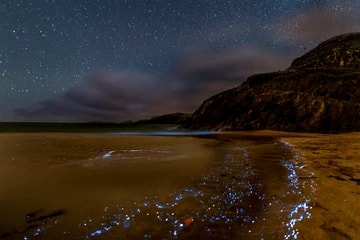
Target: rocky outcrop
(340, 52)
(319, 92)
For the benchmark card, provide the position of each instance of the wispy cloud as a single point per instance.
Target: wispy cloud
(318, 24)
(103, 96)
(228, 66)
(123, 95)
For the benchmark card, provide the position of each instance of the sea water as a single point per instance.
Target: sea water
(153, 185)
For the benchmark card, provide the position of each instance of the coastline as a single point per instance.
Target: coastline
(334, 160)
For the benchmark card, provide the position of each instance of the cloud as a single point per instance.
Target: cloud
(124, 95)
(318, 24)
(197, 75)
(230, 66)
(205, 74)
(105, 95)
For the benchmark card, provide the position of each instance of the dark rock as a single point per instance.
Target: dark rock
(347, 171)
(338, 52)
(319, 92)
(36, 218)
(33, 214)
(337, 178)
(357, 180)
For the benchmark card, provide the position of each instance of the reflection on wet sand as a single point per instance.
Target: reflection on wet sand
(153, 187)
(334, 160)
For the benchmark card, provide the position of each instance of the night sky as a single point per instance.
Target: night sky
(113, 60)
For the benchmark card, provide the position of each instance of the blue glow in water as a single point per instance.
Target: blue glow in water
(158, 205)
(189, 190)
(300, 210)
(167, 133)
(95, 233)
(178, 197)
(108, 154)
(220, 200)
(197, 133)
(126, 222)
(117, 223)
(37, 232)
(247, 218)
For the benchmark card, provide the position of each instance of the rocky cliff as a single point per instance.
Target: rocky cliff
(319, 92)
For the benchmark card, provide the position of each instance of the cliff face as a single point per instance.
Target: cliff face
(340, 52)
(319, 92)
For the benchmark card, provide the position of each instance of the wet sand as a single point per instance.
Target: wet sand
(247, 185)
(116, 186)
(83, 174)
(335, 162)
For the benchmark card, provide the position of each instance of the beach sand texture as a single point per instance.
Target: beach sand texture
(335, 162)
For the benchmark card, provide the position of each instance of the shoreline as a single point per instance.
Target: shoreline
(334, 160)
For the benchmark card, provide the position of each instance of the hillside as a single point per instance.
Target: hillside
(319, 92)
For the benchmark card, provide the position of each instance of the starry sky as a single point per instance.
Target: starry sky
(115, 60)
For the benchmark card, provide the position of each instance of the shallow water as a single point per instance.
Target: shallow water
(153, 186)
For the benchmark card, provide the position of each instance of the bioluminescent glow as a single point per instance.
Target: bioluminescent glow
(108, 154)
(302, 209)
(168, 133)
(229, 200)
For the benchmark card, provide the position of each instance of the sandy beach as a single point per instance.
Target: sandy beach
(334, 160)
(259, 184)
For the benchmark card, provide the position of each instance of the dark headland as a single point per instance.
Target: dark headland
(319, 92)
(156, 123)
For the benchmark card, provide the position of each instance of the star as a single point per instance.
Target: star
(50, 46)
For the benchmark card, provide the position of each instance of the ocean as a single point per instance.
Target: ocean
(151, 185)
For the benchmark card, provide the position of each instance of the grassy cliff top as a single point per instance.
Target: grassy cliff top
(339, 52)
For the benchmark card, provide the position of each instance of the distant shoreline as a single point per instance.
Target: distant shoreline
(79, 127)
